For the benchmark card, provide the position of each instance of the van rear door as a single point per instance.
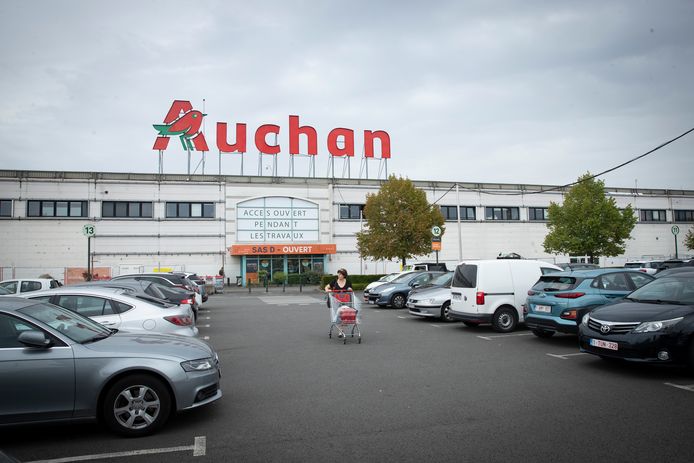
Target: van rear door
(463, 288)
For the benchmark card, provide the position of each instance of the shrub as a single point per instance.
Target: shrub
(279, 277)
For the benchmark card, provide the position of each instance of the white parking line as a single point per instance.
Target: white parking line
(689, 387)
(436, 326)
(205, 318)
(206, 338)
(491, 338)
(199, 449)
(400, 316)
(566, 356)
(203, 326)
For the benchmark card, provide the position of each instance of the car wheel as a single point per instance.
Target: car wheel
(137, 405)
(446, 312)
(398, 301)
(543, 333)
(504, 320)
(471, 324)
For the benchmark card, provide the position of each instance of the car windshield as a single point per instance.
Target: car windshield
(674, 289)
(405, 278)
(442, 280)
(634, 265)
(549, 283)
(76, 327)
(389, 277)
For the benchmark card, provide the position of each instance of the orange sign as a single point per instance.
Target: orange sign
(76, 274)
(436, 245)
(263, 249)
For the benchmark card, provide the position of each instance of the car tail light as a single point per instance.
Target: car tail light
(569, 315)
(643, 270)
(187, 301)
(480, 297)
(569, 295)
(180, 320)
(531, 292)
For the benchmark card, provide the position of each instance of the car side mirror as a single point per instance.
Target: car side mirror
(34, 339)
(414, 285)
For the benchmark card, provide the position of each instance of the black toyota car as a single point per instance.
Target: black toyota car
(654, 323)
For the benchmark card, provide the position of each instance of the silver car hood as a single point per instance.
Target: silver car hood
(125, 343)
(429, 293)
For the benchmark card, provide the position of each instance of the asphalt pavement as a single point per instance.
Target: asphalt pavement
(413, 390)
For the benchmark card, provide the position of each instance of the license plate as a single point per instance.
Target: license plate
(543, 309)
(456, 296)
(604, 344)
(370, 301)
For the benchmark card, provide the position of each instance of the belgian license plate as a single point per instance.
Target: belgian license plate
(370, 301)
(456, 296)
(604, 344)
(543, 309)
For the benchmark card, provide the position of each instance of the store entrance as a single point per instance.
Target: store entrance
(289, 269)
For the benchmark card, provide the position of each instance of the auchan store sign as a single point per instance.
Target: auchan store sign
(184, 122)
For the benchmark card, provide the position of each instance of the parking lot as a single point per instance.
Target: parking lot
(414, 390)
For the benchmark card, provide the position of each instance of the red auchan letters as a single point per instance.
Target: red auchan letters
(340, 141)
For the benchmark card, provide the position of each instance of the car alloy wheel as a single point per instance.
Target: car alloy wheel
(446, 312)
(398, 301)
(137, 405)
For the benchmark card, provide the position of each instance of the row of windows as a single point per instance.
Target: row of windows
(540, 214)
(110, 209)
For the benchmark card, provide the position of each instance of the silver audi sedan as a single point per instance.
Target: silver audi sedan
(121, 309)
(57, 365)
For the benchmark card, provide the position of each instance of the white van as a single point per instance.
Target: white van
(494, 291)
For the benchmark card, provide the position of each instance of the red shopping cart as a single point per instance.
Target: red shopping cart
(345, 316)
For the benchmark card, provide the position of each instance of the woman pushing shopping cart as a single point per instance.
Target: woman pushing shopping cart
(345, 316)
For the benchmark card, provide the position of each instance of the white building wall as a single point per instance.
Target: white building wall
(202, 245)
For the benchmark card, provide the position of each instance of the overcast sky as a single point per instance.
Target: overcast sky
(526, 91)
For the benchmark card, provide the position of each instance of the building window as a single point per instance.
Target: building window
(351, 211)
(57, 209)
(653, 215)
(126, 209)
(501, 213)
(450, 213)
(5, 208)
(680, 216)
(537, 213)
(189, 210)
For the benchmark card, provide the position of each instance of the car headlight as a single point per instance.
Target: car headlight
(432, 301)
(585, 319)
(650, 327)
(198, 365)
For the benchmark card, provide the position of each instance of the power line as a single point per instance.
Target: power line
(588, 178)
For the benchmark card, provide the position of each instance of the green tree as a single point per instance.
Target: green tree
(398, 222)
(689, 239)
(588, 223)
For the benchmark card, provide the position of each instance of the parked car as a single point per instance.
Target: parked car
(675, 271)
(119, 309)
(655, 323)
(25, 285)
(558, 301)
(384, 279)
(494, 291)
(198, 281)
(395, 292)
(577, 266)
(74, 369)
(646, 266)
(432, 299)
(428, 266)
(176, 296)
(167, 279)
(672, 263)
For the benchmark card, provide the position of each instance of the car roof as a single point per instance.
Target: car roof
(592, 273)
(101, 290)
(12, 303)
(28, 279)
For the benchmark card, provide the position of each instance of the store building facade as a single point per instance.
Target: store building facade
(254, 225)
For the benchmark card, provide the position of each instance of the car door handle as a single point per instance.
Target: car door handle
(108, 323)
